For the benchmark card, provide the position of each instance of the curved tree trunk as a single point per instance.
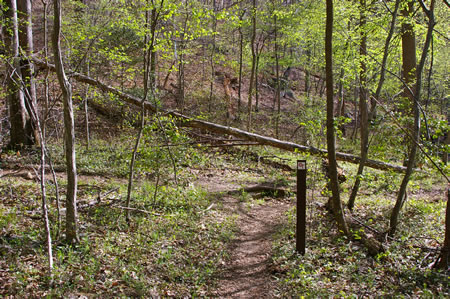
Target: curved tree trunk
(363, 110)
(331, 142)
(69, 136)
(147, 56)
(401, 197)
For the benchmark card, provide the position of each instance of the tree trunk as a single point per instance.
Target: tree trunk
(373, 109)
(47, 72)
(401, 197)
(277, 72)
(408, 47)
(133, 161)
(331, 146)
(252, 75)
(20, 133)
(43, 151)
(443, 261)
(213, 50)
(241, 44)
(69, 136)
(181, 78)
(447, 142)
(363, 96)
(27, 68)
(307, 73)
(341, 102)
(44, 120)
(85, 104)
(154, 19)
(151, 20)
(257, 81)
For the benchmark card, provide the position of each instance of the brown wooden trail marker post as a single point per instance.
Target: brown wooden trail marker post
(301, 207)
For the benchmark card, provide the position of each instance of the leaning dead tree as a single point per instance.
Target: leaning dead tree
(220, 129)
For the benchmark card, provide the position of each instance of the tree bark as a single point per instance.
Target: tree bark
(307, 73)
(86, 106)
(401, 197)
(257, 81)
(46, 89)
(154, 19)
(252, 75)
(21, 133)
(25, 25)
(181, 64)
(408, 47)
(373, 109)
(277, 71)
(443, 261)
(363, 110)
(241, 43)
(211, 58)
(69, 135)
(331, 142)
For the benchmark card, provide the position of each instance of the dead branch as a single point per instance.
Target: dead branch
(137, 210)
(374, 247)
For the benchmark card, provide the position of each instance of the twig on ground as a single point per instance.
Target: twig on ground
(137, 210)
(100, 195)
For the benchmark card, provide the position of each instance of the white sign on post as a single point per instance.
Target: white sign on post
(301, 165)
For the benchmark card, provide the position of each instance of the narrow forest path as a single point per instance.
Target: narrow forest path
(247, 273)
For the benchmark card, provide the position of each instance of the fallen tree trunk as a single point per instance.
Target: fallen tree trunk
(216, 128)
(269, 188)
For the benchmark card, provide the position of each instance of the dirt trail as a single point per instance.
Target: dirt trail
(247, 273)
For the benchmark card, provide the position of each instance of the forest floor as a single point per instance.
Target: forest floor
(247, 272)
(244, 271)
(207, 235)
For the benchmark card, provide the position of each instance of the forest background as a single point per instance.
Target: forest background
(139, 101)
